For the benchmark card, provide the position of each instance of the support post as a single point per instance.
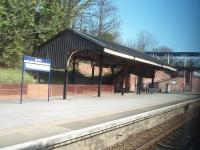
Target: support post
(184, 78)
(167, 88)
(38, 78)
(22, 80)
(92, 72)
(100, 75)
(68, 58)
(122, 82)
(137, 90)
(140, 82)
(152, 82)
(49, 88)
(65, 84)
(112, 72)
(112, 75)
(73, 70)
(152, 85)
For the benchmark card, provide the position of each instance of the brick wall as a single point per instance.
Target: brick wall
(163, 79)
(12, 91)
(178, 86)
(132, 83)
(159, 76)
(86, 69)
(196, 84)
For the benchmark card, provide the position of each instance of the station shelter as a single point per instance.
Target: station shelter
(68, 46)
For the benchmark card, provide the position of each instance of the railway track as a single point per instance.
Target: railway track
(180, 137)
(173, 141)
(179, 133)
(160, 137)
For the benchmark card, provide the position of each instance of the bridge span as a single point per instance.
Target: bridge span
(181, 60)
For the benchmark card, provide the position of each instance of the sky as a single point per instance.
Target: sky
(174, 23)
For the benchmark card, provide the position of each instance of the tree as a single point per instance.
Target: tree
(16, 25)
(101, 20)
(54, 16)
(145, 41)
(26, 24)
(131, 44)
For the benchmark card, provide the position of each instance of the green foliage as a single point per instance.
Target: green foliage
(14, 76)
(15, 25)
(48, 16)
(108, 36)
(26, 24)
(54, 16)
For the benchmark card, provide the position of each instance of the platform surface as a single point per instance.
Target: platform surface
(38, 118)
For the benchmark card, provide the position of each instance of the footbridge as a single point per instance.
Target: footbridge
(187, 64)
(181, 60)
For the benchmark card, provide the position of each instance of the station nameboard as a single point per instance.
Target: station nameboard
(37, 64)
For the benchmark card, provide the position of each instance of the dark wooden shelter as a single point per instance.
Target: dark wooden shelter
(70, 45)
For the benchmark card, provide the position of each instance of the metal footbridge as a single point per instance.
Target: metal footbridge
(181, 60)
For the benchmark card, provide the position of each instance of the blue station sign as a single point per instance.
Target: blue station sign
(37, 64)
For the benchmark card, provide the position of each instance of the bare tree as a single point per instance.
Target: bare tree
(145, 41)
(131, 44)
(100, 20)
(73, 10)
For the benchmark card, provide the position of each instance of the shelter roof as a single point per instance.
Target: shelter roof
(70, 39)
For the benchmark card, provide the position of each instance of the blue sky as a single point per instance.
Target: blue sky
(174, 23)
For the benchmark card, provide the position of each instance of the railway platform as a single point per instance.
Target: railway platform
(39, 119)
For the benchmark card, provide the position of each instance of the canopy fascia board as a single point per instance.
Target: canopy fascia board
(147, 62)
(118, 54)
(170, 68)
(129, 57)
(109, 51)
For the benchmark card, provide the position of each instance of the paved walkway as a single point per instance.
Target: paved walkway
(37, 118)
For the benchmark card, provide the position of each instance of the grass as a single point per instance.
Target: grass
(14, 76)
(57, 76)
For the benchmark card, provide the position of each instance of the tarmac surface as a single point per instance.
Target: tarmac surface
(36, 119)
